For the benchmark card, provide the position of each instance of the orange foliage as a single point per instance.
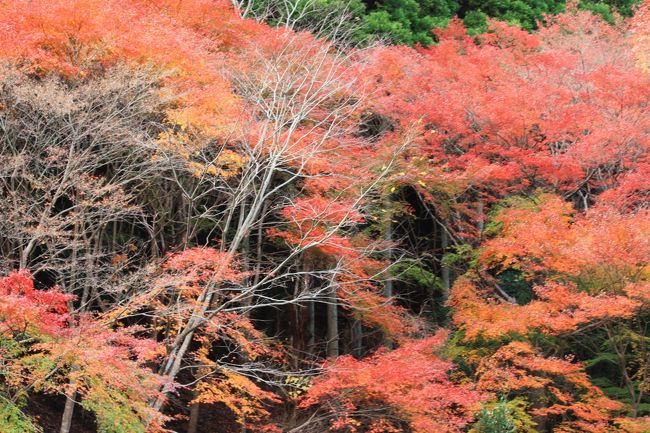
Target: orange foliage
(640, 40)
(204, 265)
(508, 112)
(547, 238)
(318, 224)
(561, 386)
(564, 109)
(596, 268)
(190, 273)
(559, 309)
(409, 386)
(192, 44)
(246, 400)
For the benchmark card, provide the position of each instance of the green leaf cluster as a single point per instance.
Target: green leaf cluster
(504, 416)
(13, 420)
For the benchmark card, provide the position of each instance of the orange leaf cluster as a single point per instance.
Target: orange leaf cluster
(409, 386)
(62, 355)
(595, 266)
(507, 112)
(561, 386)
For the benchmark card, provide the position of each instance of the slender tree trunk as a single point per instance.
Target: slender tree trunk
(622, 364)
(311, 327)
(332, 324)
(68, 412)
(357, 338)
(299, 319)
(297, 331)
(245, 263)
(445, 273)
(193, 423)
(258, 251)
(388, 236)
(311, 309)
(481, 218)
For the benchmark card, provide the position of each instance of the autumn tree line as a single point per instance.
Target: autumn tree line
(410, 21)
(237, 216)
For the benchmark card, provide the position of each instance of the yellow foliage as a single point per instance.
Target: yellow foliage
(183, 145)
(297, 385)
(241, 395)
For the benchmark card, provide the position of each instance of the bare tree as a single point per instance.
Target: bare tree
(74, 159)
(301, 103)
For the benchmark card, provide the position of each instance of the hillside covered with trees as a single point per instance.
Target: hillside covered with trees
(312, 216)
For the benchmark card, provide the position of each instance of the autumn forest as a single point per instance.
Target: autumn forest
(324, 216)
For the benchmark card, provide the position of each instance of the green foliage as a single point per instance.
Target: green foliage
(495, 420)
(13, 420)
(514, 283)
(476, 22)
(460, 254)
(412, 271)
(113, 410)
(407, 21)
(611, 390)
(524, 13)
(604, 365)
(602, 9)
(467, 354)
(623, 7)
(504, 417)
(410, 21)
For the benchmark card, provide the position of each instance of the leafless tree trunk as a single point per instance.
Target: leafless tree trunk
(481, 217)
(311, 327)
(68, 411)
(71, 158)
(357, 338)
(332, 327)
(445, 272)
(193, 422)
(388, 236)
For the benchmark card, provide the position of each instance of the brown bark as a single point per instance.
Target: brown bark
(193, 422)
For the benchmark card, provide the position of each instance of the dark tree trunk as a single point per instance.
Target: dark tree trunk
(193, 423)
(332, 324)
